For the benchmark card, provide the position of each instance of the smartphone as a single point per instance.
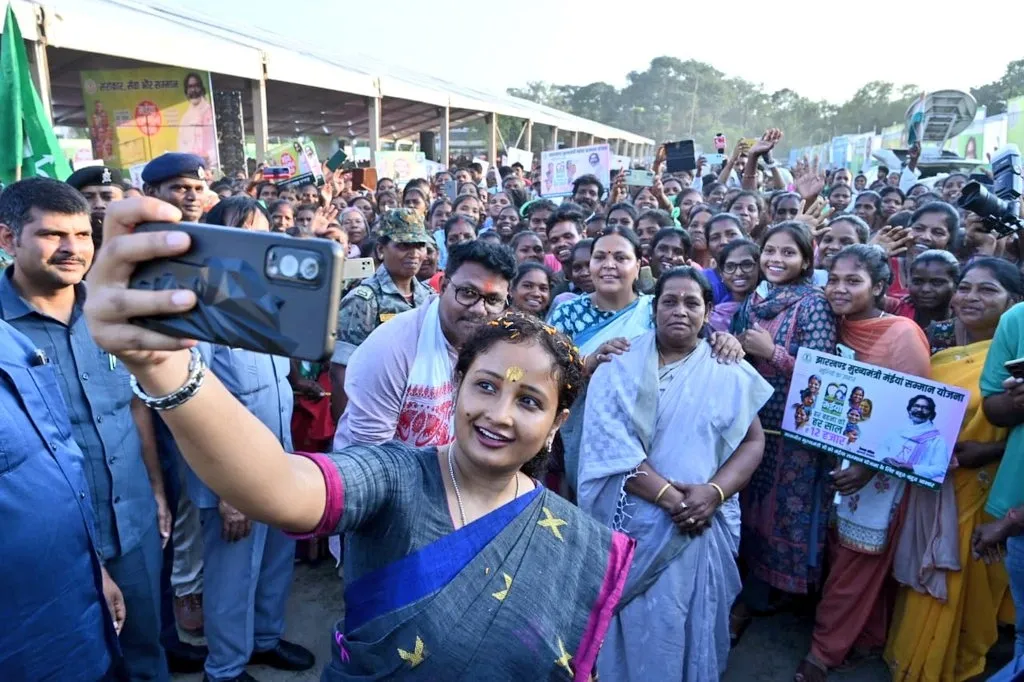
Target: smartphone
(358, 268)
(262, 291)
(647, 280)
(719, 142)
(1015, 368)
(715, 159)
(274, 173)
(338, 158)
(451, 189)
(638, 177)
(300, 181)
(680, 156)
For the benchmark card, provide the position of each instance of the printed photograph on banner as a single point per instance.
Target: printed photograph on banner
(896, 423)
(401, 166)
(560, 168)
(136, 115)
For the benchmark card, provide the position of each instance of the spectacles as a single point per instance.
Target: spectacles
(746, 267)
(468, 297)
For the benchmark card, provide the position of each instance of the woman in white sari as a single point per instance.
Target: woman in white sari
(680, 505)
(604, 323)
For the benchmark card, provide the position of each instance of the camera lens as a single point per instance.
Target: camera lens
(289, 265)
(309, 268)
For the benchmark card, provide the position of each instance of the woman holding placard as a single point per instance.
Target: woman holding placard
(945, 634)
(853, 614)
(786, 505)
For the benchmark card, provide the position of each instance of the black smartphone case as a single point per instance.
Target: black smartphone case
(239, 304)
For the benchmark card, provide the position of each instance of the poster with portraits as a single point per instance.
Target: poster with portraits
(561, 167)
(896, 423)
(135, 115)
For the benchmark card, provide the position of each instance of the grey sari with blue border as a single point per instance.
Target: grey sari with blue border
(525, 592)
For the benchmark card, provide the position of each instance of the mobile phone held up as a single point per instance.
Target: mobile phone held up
(262, 291)
(1015, 368)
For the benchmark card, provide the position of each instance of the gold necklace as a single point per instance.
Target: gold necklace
(455, 485)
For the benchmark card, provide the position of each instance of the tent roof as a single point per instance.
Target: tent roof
(159, 33)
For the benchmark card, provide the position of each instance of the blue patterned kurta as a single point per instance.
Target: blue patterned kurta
(578, 315)
(786, 506)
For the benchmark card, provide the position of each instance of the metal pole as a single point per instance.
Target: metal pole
(446, 135)
(260, 123)
(373, 106)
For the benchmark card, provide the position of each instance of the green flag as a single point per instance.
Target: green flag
(26, 136)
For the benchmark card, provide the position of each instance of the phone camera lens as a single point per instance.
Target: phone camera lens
(309, 268)
(289, 266)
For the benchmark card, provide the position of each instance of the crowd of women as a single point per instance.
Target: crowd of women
(586, 437)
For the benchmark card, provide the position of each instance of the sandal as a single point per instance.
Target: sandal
(811, 670)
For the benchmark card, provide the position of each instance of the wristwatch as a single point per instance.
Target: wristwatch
(196, 374)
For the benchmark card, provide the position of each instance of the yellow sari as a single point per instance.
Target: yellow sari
(932, 641)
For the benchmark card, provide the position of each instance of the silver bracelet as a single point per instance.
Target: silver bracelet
(196, 374)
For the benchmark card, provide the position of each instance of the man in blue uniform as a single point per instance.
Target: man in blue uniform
(54, 622)
(45, 226)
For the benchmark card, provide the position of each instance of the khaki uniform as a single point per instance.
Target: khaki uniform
(370, 305)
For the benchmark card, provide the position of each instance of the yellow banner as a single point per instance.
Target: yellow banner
(136, 115)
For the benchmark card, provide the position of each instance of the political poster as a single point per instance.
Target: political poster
(136, 115)
(896, 423)
(401, 166)
(1015, 121)
(840, 151)
(298, 156)
(995, 135)
(894, 136)
(560, 168)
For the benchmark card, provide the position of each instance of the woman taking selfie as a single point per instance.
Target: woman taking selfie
(783, 550)
(427, 519)
(852, 616)
(683, 511)
(944, 629)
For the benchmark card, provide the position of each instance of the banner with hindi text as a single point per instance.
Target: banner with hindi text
(136, 115)
(896, 423)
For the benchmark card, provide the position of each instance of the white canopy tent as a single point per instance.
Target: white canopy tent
(293, 90)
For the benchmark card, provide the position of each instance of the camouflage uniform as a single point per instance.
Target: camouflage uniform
(376, 300)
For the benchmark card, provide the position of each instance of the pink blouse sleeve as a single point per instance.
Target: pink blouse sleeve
(335, 496)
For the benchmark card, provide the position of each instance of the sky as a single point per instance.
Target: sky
(821, 54)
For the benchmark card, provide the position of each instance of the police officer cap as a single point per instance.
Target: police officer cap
(173, 165)
(94, 175)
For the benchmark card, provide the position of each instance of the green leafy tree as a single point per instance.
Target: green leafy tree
(675, 99)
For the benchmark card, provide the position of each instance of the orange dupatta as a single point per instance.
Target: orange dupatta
(890, 341)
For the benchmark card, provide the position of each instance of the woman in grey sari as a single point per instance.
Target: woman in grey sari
(459, 565)
(687, 439)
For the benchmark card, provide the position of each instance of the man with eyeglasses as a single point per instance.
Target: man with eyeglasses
(399, 381)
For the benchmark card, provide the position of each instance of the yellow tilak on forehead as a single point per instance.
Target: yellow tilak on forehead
(514, 373)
